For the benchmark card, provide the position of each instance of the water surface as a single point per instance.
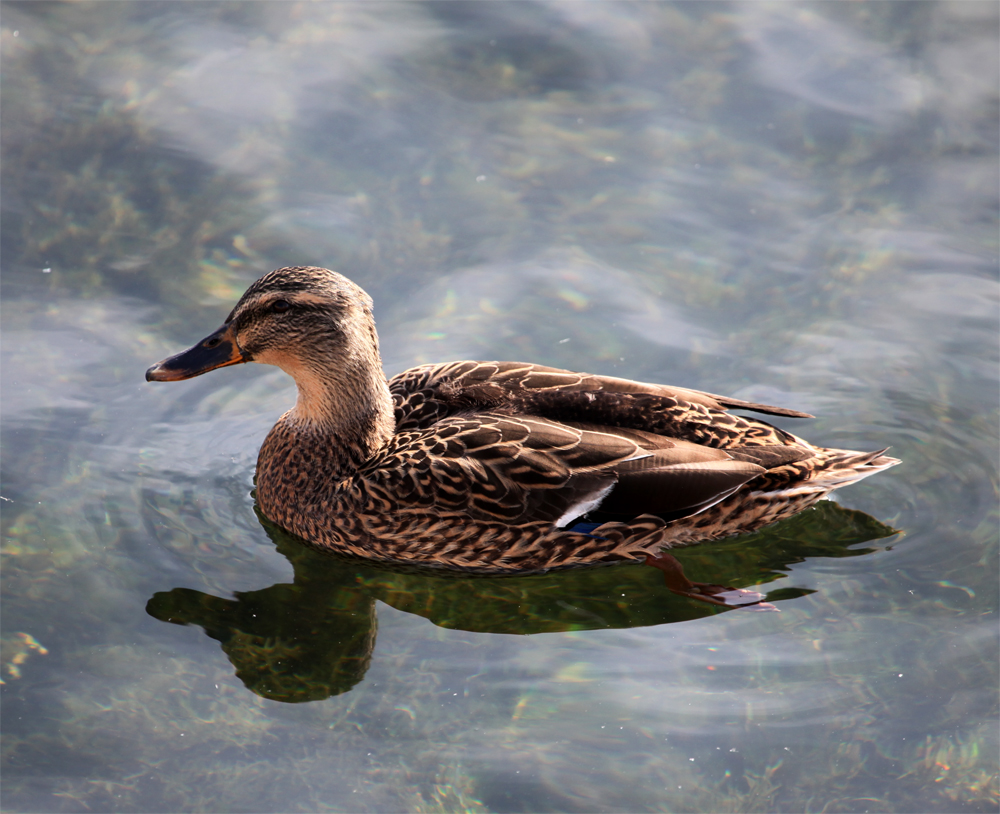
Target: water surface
(793, 203)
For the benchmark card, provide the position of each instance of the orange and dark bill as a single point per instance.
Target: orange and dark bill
(214, 351)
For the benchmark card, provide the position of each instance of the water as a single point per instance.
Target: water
(792, 203)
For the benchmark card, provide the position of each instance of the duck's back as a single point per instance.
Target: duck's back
(427, 394)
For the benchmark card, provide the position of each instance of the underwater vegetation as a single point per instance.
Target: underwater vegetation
(791, 203)
(14, 652)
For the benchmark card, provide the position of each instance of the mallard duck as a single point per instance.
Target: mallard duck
(496, 467)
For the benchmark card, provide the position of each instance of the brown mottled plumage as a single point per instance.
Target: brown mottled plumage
(488, 466)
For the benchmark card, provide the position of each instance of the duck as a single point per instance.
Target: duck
(497, 467)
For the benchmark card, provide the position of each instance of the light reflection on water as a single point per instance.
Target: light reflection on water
(794, 204)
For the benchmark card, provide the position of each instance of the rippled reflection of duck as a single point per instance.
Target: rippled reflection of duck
(314, 637)
(496, 467)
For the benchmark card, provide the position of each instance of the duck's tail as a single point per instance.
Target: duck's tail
(834, 468)
(776, 494)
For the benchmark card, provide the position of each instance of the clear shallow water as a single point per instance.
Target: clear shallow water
(794, 203)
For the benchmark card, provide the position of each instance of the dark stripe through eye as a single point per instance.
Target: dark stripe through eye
(280, 306)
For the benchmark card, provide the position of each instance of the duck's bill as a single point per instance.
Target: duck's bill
(214, 351)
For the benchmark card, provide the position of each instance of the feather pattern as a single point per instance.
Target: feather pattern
(487, 466)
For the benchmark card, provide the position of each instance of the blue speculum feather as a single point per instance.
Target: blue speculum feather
(583, 528)
(580, 184)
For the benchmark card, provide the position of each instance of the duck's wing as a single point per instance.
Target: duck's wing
(519, 469)
(423, 394)
(429, 393)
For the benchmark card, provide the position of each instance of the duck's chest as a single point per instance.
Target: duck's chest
(303, 480)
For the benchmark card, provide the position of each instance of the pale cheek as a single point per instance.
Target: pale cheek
(267, 357)
(304, 377)
(309, 383)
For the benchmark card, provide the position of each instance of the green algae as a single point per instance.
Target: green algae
(842, 258)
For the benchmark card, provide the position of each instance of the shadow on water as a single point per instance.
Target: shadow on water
(314, 638)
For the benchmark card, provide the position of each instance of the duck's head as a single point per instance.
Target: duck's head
(313, 323)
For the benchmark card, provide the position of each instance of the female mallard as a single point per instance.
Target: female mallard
(496, 467)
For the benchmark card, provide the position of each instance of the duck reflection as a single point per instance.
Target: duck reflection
(314, 638)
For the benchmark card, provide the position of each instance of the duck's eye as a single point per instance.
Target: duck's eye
(280, 306)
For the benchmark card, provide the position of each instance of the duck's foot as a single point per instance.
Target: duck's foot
(673, 575)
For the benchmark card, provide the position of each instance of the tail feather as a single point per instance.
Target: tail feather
(830, 469)
(843, 467)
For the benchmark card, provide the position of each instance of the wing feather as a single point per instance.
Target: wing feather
(427, 379)
(525, 468)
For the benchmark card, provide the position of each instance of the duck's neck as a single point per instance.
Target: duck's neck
(351, 404)
(341, 419)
